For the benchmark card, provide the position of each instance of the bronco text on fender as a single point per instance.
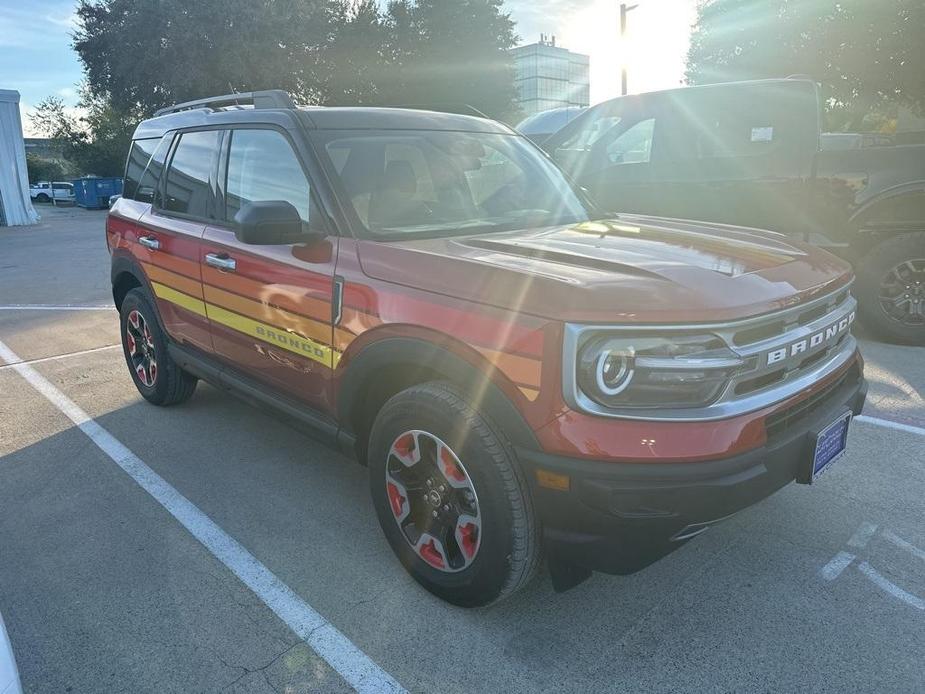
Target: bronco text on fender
(430, 294)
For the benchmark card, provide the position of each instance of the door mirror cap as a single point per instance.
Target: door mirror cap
(273, 223)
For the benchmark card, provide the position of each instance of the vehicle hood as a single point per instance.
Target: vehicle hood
(631, 269)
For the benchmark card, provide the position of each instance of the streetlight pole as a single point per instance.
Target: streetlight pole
(624, 10)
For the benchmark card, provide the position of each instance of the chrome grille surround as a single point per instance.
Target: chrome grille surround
(766, 376)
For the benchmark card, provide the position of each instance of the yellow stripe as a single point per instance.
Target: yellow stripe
(179, 298)
(275, 336)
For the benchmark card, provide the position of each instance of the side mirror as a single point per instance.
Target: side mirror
(273, 223)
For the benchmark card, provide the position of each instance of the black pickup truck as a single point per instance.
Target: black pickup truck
(753, 153)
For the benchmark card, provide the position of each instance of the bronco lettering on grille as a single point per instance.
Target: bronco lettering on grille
(811, 342)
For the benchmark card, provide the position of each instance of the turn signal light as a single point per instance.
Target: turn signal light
(553, 480)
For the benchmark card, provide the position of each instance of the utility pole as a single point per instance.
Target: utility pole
(624, 10)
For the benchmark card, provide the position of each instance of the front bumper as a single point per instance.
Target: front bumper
(620, 517)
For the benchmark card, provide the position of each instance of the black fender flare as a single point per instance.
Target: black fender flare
(380, 356)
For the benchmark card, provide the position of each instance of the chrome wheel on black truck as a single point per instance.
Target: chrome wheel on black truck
(891, 289)
(450, 497)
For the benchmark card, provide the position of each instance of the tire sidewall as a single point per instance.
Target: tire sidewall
(136, 300)
(871, 271)
(483, 580)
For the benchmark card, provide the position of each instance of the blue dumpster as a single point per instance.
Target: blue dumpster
(93, 193)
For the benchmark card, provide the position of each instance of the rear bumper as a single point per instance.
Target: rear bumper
(620, 517)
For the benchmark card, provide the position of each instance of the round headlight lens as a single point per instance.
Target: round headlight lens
(614, 371)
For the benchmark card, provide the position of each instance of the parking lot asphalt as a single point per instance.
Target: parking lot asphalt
(818, 588)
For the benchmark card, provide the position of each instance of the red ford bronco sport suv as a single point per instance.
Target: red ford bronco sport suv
(431, 295)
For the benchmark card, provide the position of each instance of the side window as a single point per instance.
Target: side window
(147, 184)
(138, 157)
(187, 189)
(262, 166)
(633, 145)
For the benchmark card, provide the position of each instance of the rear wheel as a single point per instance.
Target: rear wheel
(891, 288)
(451, 498)
(158, 378)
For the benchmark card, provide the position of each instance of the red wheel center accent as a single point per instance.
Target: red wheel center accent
(433, 501)
(139, 343)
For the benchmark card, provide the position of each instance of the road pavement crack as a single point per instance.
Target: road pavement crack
(261, 669)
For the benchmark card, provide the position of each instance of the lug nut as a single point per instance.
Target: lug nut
(435, 514)
(442, 488)
(446, 507)
(430, 483)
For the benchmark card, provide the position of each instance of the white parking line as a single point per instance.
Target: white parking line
(839, 563)
(357, 669)
(888, 586)
(904, 544)
(862, 535)
(54, 307)
(889, 424)
(60, 356)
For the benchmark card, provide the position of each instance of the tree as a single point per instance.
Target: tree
(93, 143)
(452, 51)
(144, 54)
(41, 169)
(868, 56)
(139, 55)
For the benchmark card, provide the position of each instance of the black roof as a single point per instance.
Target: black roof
(321, 118)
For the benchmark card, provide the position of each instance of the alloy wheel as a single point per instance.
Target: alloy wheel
(141, 349)
(902, 293)
(433, 501)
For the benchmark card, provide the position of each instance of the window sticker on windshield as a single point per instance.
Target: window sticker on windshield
(763, 134)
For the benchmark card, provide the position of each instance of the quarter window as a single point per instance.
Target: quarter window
(147, 185)
(187, 190)
(261, 167)
(138, 157)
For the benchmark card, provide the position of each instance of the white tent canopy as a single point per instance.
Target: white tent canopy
(15, 204)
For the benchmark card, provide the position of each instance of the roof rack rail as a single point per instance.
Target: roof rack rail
(268, 98)
(459, 109)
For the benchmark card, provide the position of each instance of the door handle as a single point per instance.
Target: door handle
(149, 242)
(221, 261)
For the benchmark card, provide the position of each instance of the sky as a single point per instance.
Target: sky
(36, 58)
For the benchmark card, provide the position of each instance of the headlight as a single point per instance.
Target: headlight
(622, 371)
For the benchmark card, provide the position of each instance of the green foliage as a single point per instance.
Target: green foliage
(868, 55)
(42, 169)
(93, 143)
(140, 55)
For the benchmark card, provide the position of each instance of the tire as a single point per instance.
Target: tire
(41, 197)
(165, 383)
(878, 267)
(507, 546)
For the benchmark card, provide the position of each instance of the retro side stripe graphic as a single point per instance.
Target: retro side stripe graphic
(300, 334)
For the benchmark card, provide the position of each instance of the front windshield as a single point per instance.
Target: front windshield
(403, 183)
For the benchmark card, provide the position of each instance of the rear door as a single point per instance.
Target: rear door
(170, 231)
(270, 305)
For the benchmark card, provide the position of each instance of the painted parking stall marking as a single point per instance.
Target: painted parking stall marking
(357, 669)
(859, 541)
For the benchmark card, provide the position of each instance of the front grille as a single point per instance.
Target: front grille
(780, 422)
(776, 326)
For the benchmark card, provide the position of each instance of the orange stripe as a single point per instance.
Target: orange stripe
(171, 279)
(189, 268)
(268, 314)
(520, 369)
(289, 297)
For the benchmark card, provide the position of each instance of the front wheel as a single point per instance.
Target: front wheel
(891, 289)
(158, 378)
(41, 197)
(451, 498)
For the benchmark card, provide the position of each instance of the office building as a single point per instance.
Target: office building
(549, 76)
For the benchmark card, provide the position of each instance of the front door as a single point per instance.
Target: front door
(269, 306)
